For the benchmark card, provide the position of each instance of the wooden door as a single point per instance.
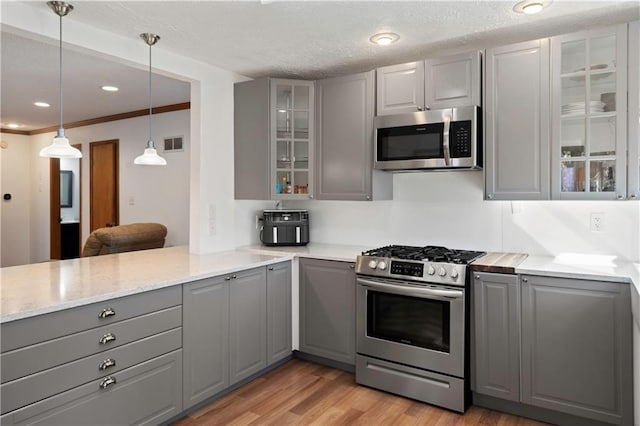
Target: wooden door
(103, 184)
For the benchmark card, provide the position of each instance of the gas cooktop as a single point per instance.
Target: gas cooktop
(427, 254)
(427, 264)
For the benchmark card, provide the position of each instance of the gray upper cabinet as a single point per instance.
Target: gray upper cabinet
(278, 312)
(273, 139)
(497, 335)
(633, 167)
(589, 110)
(436, 83)
(452, 81)
(247, 323)
(344, 153)
(576, 347)
(400, 88)
(205, 339)
(517, 122)
(328, 309)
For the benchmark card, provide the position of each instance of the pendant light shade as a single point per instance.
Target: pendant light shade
(150, 156)
(60, 147)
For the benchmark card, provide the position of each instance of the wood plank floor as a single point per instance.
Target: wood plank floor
(305, 393)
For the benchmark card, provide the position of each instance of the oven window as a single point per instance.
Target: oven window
(410, 142)
(410, 320)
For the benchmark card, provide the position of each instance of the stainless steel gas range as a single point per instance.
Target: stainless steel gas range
(412, 323)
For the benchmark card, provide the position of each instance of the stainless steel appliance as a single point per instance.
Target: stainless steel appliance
(412, 323)
(285, 227)
(439, 139)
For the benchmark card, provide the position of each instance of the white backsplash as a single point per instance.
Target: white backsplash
(448, 209)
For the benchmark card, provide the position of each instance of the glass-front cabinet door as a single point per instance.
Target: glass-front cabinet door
(633, 184)
(291, 139)
(589, 110)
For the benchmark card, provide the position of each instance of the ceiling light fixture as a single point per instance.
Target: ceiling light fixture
(384, 39)
(109, 88)
(530, 7)
(41, 104)
(60, 147)
(150, 156)
(13, 125)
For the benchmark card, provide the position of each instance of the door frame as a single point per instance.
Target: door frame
(55, 238)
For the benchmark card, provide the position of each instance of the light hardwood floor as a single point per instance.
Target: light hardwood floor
(305, 393)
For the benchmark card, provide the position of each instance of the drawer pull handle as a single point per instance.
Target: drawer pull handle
(106, 312)
(108, 381)
(109, 337)
(107, 363)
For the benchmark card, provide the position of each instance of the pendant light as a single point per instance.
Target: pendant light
(60, 147)
(150, 156)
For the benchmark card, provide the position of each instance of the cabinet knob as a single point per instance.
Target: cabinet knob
(234, 276)
(311, 197)
(107, 363)
(108, 381)
(109, 337)
(427, 107)
(419, 108)
(633, 196)
(106, 312)
(227, 278)
(620, 197)
(270, 268)
(477, 277)
(525, 280)
(490, 196)
(368, 198)
(352, 266)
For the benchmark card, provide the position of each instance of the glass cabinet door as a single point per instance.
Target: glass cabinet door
(633, 184)
(291, 138)
(589, 115)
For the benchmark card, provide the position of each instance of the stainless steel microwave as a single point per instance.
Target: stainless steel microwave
(440, 139)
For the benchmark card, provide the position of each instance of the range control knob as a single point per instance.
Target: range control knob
(382, 265)
(431, 270)
(442, 272)
(454, 274)
(373, 264)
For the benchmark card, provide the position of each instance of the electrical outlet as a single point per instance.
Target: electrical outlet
(597, 222)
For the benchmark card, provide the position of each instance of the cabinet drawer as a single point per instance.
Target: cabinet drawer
(31, 359)
(148, 393)
(28, 331)
(35, 387)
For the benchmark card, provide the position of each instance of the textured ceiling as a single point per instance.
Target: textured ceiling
(300, 39)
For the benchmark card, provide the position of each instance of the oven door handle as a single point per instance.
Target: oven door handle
(431, 293)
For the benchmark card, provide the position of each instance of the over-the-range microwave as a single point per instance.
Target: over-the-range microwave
(439, 139)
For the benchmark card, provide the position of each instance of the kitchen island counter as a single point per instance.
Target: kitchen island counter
(41, 288)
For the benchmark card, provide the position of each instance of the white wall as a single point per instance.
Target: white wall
(15, 166)
(447, 208)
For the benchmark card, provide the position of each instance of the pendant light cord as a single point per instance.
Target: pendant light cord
(150, 108)
(61, 130)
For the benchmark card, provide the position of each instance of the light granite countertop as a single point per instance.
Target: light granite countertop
(40, 288)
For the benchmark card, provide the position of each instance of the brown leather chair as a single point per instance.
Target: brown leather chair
(131, 237)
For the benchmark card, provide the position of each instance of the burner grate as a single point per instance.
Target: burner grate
(427, 253)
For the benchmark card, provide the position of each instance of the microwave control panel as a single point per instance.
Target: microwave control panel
(460, 139)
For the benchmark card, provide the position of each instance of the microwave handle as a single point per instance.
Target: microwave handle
(445, 139)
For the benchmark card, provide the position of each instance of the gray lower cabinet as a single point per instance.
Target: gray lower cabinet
(278, 312)
(328, 309)
(517, 122)
(497, 335)
(344, 170)
(234, 326)
(205, 339)
(247, 323)
(146, 394)
(115, 362)
(576, 347)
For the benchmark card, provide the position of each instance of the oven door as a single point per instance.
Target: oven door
(419, 326)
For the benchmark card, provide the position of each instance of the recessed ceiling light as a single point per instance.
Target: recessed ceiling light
(41, 104)
(109, 88)
(13, 125)
(384, 39)
(530, 7)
